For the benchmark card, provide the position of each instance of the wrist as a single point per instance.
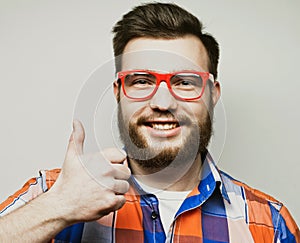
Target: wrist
(59, 209)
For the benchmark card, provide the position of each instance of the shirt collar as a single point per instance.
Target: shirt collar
(210, 179)
(210, 170)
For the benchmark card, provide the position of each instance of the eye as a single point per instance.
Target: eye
(141, 81)
(184, 82)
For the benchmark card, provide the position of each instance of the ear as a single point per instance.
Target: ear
(216, 92)
(116, 90)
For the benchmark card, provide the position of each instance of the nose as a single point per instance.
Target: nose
(163, 99)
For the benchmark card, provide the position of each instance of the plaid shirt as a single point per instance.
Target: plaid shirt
(219, 209)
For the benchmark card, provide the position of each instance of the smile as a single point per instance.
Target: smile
(163, 129)
(163, 126)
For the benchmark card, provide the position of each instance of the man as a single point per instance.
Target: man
(173, 192)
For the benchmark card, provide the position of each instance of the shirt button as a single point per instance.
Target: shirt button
(154, 215)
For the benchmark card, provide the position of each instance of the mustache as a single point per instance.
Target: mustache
(181, 119)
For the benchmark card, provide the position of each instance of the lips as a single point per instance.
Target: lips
(163, 126)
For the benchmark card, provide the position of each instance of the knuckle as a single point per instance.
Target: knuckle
(114, 202)
(108, 201)
(128, 172)
(126, 186)
(108, 173)
(119, 201)
(108, 170)
(114, 187)
(120, 186)
(122, 169)
(113, 154)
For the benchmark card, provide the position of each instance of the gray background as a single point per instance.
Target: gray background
(49, 48)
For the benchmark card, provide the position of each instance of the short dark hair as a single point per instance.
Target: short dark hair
(164, 21)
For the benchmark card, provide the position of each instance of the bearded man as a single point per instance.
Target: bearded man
(164, 186)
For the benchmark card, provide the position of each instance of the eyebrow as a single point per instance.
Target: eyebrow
(172, 71)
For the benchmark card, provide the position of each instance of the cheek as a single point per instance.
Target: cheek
(197, 109)
(206, 100)
(130, 110)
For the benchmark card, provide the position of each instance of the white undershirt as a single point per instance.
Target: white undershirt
(168, 203)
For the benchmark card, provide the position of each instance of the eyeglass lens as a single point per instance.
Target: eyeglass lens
(184, 85)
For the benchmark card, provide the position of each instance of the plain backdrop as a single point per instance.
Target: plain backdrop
(49, 48)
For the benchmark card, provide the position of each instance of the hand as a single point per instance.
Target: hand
(89, 186)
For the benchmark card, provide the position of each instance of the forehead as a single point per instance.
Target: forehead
(167, 55)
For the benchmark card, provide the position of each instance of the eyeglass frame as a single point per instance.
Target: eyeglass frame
(164, 77)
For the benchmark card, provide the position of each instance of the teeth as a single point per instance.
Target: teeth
(164, 126)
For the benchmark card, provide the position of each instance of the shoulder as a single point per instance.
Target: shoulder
(251, 193)
(263, 213)
(30, 190)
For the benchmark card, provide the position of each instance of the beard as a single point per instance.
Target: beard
(155, 157)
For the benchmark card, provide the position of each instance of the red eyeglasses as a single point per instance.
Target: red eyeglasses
(141, 85)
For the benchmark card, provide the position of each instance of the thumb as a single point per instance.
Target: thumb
(75, 146)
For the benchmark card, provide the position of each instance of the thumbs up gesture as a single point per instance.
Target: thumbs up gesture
(90, 186)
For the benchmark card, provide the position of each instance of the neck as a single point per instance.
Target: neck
(179, 178)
